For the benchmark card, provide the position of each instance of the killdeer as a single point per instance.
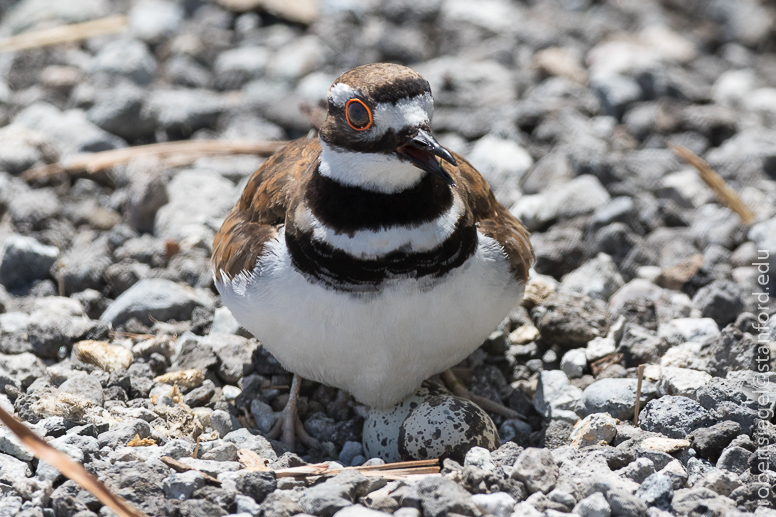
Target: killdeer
(362, 261)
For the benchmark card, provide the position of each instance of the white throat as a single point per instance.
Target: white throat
(377, 172)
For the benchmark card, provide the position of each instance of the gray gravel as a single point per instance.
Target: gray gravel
(564, 106)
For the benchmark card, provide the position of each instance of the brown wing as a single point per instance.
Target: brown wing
(492, 218)
(261, 210)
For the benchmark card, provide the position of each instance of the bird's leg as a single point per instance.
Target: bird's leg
(456, 386)
(289, 423)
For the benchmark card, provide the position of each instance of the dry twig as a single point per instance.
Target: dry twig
(68, 467)
(63, 34)
(196, 449)
(725, 194)
(177, 466)
(182, 152)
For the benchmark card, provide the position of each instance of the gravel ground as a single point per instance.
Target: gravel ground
(564, 105)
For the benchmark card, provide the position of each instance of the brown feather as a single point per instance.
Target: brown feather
(492, 218)
(261, 209)
(277, 187)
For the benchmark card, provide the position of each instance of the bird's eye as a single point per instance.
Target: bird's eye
(358, 115)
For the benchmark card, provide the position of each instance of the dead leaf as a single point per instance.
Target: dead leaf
(141, 442)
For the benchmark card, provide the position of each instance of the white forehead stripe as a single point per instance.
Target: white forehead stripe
(341, 93)
(412, 112)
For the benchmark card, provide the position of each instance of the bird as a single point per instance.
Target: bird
(369, 258)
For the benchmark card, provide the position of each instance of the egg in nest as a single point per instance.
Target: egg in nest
(431, 423)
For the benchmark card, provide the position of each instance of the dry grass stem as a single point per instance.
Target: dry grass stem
(181, 153)
(638, 395)
(69, 468)
(725, 194)
(392, 471)
(63, 34)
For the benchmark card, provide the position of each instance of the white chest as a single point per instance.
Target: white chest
(377, 346)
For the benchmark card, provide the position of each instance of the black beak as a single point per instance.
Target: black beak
(422, 150)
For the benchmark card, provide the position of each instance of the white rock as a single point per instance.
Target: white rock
(198, 201)
(249, 60)
(502, 162)
(182, 485)
(762, 100)
(357, 510)
(247, 505)
(597, 278)
(155, 298)
(580, 196)
(720, 481)
(214, 468)
(298, 58)
(594, 505)
(526, 509)
(492, 15)
(10, 444)
(681, 381)
(69, 131)
(732, 87)
(681, 356)
(654, 46)
(686, 188)
(599, 347)
(480, 457)
(676, 473)
(555, 394)
(231, 392)
(681, 330)
(574, 363)
(499, 504)
(154, 20)
(595, 429)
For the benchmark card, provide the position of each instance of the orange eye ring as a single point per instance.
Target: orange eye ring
(368, 112)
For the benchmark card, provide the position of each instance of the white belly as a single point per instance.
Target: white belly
(377, 346)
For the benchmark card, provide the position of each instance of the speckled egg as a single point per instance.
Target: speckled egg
(431, 423)
(380, 436)
(446, 427)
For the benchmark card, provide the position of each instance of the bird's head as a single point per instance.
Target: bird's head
(384, 110)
